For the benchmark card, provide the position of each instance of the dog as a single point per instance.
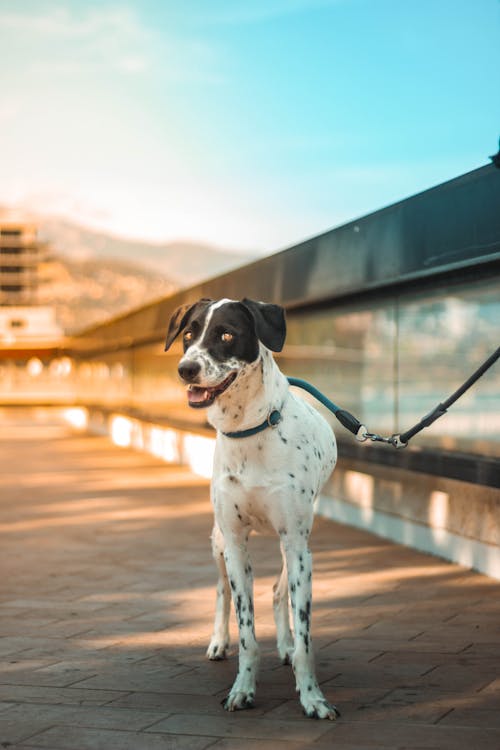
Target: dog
(273, 454)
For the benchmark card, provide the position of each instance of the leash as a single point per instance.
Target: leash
(351, 423)
(398, 440)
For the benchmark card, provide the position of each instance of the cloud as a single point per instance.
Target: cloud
(60, 22)
(57, 40)
(68, 41)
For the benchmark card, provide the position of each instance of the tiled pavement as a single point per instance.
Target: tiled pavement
(106, 606)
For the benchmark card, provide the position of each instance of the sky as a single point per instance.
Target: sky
(248, 124)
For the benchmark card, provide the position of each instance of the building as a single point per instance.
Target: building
(21, 254)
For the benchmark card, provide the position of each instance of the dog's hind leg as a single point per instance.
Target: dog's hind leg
(219, 642)
(282, 615)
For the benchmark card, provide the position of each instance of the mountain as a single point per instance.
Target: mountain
(183, 263)
(92, 276)
(87, 292)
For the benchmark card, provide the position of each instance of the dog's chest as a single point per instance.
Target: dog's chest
(248, 462)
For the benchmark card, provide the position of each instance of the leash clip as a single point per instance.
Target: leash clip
(363, 435)
(378, 438)
(374, 437)
(396, 442)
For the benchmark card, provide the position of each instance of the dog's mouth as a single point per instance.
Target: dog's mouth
(200, 396)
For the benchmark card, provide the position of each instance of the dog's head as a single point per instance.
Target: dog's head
(221, 339)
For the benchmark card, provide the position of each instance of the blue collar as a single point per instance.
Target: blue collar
(272, 419)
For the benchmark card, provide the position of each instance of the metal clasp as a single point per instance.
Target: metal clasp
(396, 442)
(377, 438)
(364, 435)
(274, 418)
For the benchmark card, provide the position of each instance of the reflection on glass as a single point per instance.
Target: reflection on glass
(391, 362)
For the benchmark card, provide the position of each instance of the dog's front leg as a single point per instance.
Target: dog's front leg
(299, 563)
(242, 693)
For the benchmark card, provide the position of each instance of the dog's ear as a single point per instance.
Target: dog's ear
(179, 320)
(270, 323)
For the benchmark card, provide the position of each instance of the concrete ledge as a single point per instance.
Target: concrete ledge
(193, 447)
(458, 521)
(436, 541)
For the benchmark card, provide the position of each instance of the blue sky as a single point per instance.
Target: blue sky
(251, 125)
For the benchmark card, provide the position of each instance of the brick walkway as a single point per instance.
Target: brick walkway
(106, 607)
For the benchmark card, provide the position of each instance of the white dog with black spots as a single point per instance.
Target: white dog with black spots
(265, 479)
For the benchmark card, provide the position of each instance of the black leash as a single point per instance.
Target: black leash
(398, 440)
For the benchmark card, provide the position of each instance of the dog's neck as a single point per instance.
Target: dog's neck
(260, 388)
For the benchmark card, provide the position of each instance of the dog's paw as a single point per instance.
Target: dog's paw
(242, 694)
(238, 700)
(285, 651)
(317, 707)
(217, 649)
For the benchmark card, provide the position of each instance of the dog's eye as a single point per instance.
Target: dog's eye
(227, 337)
(188, 336)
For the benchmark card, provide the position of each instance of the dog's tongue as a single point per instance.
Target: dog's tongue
(197, 395)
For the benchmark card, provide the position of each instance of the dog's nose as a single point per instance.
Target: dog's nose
(189, 370)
